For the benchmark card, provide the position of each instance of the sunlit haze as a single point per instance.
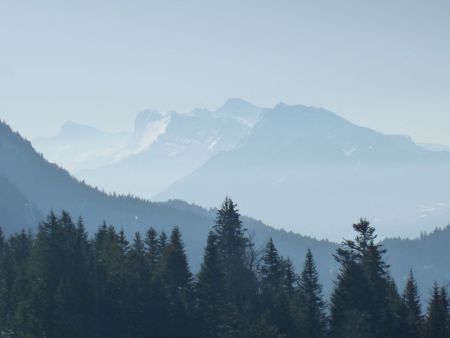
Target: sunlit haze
(381, 64)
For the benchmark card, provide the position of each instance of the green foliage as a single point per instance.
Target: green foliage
(276, 290)
(312, 319)
(60, 283)
(238, 281)
(177, 281)
(437, 320)
(413, 311)
(209, 292)
(361, 292)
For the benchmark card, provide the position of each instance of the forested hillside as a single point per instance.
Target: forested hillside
(31, 187)
(16, 211)
(46, 187)
(59, 283)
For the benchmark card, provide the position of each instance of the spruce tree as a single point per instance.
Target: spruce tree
(157, 305)
(61, 278)
(275, 292)
(272, 270)
(175, 269)
(437, 318)
(396, 309)
(413, 312)
(312, 319)
(445, 303)
(178, 285)
(290, 277)
(16, 314)
(209, 292)
(111, 282)
(238, 279)
(138, 277)
(162, 241)
(359, 303)
(232, 242)
(153, 249)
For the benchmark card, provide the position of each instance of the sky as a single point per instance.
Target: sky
(383, 64)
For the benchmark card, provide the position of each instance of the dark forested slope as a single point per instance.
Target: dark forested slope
(30, 187)
(49, 187)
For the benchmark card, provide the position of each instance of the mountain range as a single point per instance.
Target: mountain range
(167, 146)
(30, 187)
(78, 147)
(286, 164)
(307, 168)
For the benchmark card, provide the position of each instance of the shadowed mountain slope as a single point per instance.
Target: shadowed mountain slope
(309, 170)
(30, 187)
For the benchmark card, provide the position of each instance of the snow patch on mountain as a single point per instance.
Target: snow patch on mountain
(151, 133)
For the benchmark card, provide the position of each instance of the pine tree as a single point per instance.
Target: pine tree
(359, 303)
(272, 270)
(396, 309)
(138, 277)
(15, 285)
(178, 284)
(232, 242)
(111, 282)
(82, 279)
(290, 277)
(413, 311)
(437, 325)
(162, 241)
(61, 279)
(275, 291)
(124, 245)
(153, 249)
(209, 292)
(445, 303)
(175, 269)
(312, 308)
(157, 306)
(238, 281)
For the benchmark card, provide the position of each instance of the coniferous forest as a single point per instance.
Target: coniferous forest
(60, 282)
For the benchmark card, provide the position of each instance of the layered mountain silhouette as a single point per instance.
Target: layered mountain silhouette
(168, 146)
(78, 147)
(30, 187)
(435, 147)
(286, 165)
(186, 143)
(309, 170)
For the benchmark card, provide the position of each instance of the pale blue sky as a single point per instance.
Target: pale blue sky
(380, 63)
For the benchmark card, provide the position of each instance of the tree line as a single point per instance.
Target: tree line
(61, 283)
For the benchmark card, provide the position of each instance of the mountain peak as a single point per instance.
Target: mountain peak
(147, 116)
(71, 128)
(240, 110)
(281, 104)
(235, 102)
(293, 116)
